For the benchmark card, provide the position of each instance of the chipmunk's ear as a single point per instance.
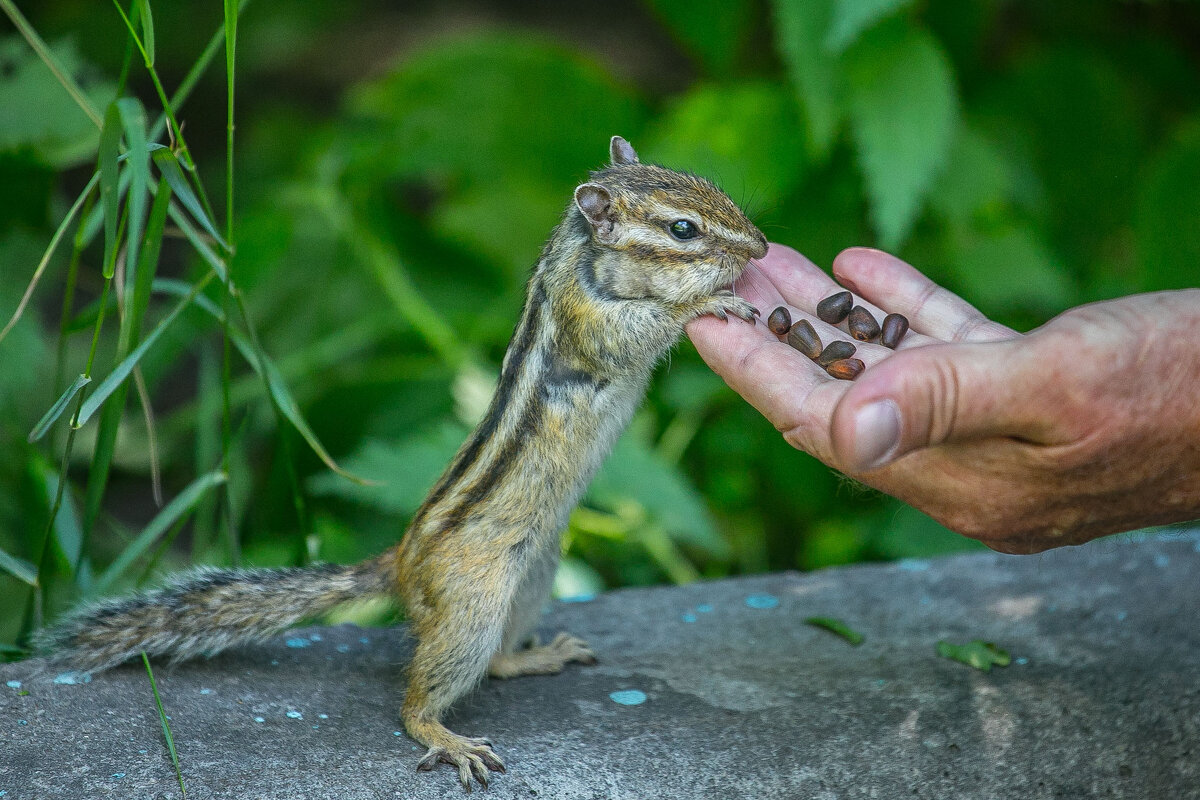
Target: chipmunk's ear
(596, 204)
(622, 152)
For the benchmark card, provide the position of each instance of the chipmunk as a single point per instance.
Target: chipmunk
(639, 252)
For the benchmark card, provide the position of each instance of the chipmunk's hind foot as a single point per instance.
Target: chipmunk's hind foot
(542, 659)
(472, 757)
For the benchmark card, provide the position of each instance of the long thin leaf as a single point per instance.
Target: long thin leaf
(57, 409)
(148, 266)
(162, 717)
(147, 30)
(147, 56)
(183, 503)
(136, 310)
(168, 165)
(19, 568)
(133, 120)
(197, 241)
(67, 533)
(110, 179)
(41, 267)
(122, 370)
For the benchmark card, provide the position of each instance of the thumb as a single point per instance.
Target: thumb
(933, 395)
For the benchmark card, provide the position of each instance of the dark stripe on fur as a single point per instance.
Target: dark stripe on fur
(523, 338)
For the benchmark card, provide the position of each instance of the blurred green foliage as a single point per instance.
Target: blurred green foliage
(396, 174)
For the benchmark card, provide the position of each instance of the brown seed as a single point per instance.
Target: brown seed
(835, 351)
(894, 328)
(862, 325)
(805, 339)
(847, 369)
(780, 321)
(833, 309)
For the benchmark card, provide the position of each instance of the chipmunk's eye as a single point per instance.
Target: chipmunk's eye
(684, 229)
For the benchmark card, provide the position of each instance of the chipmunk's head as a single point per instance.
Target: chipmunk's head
(676, 236)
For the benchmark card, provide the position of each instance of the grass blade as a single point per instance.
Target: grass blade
(41, 267)
(122, 370)
(143, 280)
(197, 241)
(147, 31)
(231, 23)
(67, 533)
(838, 628)
(110, 196)
(19, 568)
(168, 166)
(162, 717)
(133, 120)
(57, 409)
(39, 46)
(174, 511)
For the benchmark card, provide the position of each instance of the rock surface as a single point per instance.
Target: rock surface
(714, 690)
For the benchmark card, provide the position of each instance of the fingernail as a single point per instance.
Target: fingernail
(876, 434)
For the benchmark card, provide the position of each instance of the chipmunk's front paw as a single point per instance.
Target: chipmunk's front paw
(472, 757)
(724, 303)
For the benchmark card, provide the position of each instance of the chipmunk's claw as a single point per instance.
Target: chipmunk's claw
(725, 302)
(472, 757)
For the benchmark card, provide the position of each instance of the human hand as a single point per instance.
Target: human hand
(1086, 426)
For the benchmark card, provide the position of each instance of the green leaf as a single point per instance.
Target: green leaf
(173, 512)
(903, 112)
(978, 654)
(147, 20)
(197, 241)
(168, 165)
(838, 627)
(58, 408)
(740, 136)
(404, 470)
(110, 198)
(519, 107)
(166, 726)
(634, 472)
(39, 115)
(1009, 269)
(68, 536)
(139, 299)
(713, 31)
(121, 371)
(1168, 214)
(800, 30)
(978, 182)
(852, 17)
(19, 568)
(133, 121)
(1079, 123)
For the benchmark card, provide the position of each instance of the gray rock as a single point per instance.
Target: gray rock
(1102, 699)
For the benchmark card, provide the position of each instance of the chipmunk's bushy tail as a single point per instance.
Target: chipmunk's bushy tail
(205, 611)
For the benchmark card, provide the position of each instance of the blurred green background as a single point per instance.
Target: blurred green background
(397, 167)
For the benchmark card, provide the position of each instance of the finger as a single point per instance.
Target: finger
(935, 395)
(802, 284)
(898, 287)
(795, 394)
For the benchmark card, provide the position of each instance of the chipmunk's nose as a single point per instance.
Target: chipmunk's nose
(761, 245)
